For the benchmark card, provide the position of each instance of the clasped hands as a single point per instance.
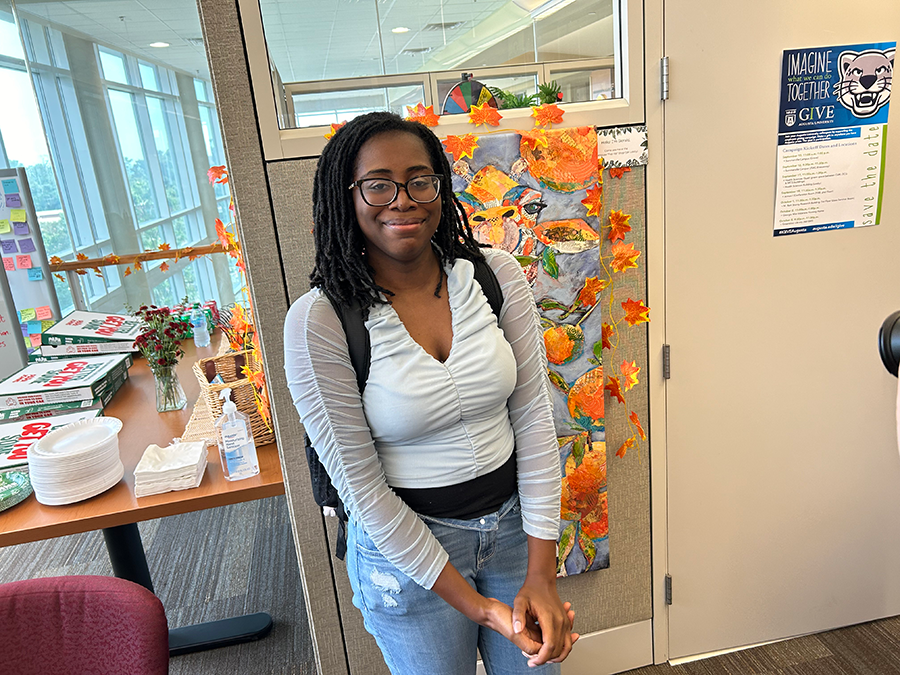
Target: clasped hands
(539, 623)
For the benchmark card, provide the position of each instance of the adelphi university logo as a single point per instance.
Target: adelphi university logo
(790, 117)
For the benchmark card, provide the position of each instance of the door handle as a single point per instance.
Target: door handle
(889, 343)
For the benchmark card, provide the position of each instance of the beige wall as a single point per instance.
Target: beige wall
(274, 212)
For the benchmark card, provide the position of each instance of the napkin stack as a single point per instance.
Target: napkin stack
(176, 467)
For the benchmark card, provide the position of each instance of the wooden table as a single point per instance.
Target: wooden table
(117, 511)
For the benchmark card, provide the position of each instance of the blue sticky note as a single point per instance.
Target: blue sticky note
(13, 201)
(34, 327)
(26, 245)
(35, 274)
(9, 246)
(20, 228)
(10, 185)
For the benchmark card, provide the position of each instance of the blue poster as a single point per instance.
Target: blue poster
(832, 128)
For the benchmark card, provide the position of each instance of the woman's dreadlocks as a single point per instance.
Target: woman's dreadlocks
(341, 268)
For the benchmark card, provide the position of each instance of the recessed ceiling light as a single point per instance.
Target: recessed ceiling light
(400, 29)
(159, 45)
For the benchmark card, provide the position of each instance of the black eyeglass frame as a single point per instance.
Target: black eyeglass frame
(397, 186)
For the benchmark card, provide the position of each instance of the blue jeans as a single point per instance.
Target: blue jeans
(419, 633)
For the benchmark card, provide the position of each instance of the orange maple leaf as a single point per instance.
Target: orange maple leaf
(81, 256)
(594, 200)
(630, 443)
(634, 420)
(97, 272)
(618, 171)
(55, 260)
(423, 115)
(545, 115)
(624, 256)
(334, 128)
(635, 312)
(221, 232)
(59, 276)
(137, 265)
(127, 272)
(588, 294)
(217, 174)
(461, 146)
(164, 247)
(606, 332)
(80, 272)
(618, 221)
(535, 138)
(111, 258)
(629, 373)
(612, 386)
(484, 114)
(164, 267)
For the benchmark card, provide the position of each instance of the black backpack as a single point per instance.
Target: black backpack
(359, 348)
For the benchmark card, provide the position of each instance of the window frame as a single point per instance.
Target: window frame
(308, 142)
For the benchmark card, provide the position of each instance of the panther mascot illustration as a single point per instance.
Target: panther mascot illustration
(865, 84)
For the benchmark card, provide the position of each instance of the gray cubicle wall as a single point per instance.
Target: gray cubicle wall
(275, 220)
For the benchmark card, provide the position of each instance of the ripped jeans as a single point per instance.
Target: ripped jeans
(419, 633)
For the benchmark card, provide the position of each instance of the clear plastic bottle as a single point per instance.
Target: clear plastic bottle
(236, 447)
(198, 323)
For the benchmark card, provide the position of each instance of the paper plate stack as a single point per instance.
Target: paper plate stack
(76, 462)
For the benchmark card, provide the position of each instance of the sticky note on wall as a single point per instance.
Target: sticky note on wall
(13, 201)
(9, 246)
(35, 274)
(23, 262)
(44, 313)
(9, 264)
(27, 314)
(18, 215)
(20, 228)
(5, 227)
(10, 185)
(26, 245)
(34, 327)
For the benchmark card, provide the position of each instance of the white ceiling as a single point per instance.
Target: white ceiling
(326, 39)
(131, 25)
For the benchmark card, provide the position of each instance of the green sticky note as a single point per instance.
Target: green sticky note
(5, 227)
(28, 314)
(18, 215)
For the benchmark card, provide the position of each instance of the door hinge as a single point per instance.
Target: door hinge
(668, 590)
(667, 362)
(664, 78)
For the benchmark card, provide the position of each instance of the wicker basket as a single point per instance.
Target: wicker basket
(229, 367)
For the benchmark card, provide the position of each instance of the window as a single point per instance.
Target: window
(434, 38)
(139, 110)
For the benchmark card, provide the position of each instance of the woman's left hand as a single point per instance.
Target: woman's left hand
(538, 609)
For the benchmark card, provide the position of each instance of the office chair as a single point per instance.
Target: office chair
(82, 624)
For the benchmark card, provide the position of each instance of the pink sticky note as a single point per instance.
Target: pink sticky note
(9, 264)
(20, 228)
(23, 262)
(13, 201)
(43, 313)
(35, 340)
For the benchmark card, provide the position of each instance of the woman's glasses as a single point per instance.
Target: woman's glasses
(383, 191)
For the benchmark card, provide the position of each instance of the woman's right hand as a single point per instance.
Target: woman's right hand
(498, 617)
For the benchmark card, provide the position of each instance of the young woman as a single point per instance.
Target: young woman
(448, 464)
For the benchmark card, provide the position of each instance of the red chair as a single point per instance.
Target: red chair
(82, 624)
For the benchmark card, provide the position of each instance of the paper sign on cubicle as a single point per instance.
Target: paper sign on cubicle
(831, 137)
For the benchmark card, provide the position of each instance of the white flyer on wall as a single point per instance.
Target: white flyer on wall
(831, 137)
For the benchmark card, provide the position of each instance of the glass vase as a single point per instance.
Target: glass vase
(169, 394)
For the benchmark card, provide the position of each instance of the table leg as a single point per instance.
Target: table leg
(126, 553)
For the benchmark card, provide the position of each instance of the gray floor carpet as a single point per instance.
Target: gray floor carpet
(207, 565)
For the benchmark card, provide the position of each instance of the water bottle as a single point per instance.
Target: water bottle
(198, 323)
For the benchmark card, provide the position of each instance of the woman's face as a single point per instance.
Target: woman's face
(400, 233)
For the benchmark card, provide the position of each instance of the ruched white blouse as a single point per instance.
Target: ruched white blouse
(423, 423)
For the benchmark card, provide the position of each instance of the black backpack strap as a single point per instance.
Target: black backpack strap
(485, 276)
(358, 344)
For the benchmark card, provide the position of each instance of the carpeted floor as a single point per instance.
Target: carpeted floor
(867, 649)
(207, 565)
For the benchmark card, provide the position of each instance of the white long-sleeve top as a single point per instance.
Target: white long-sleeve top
(422, 423)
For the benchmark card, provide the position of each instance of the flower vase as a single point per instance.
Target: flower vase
(169, 394)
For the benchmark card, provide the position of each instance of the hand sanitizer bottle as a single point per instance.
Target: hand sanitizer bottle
(236, 447)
